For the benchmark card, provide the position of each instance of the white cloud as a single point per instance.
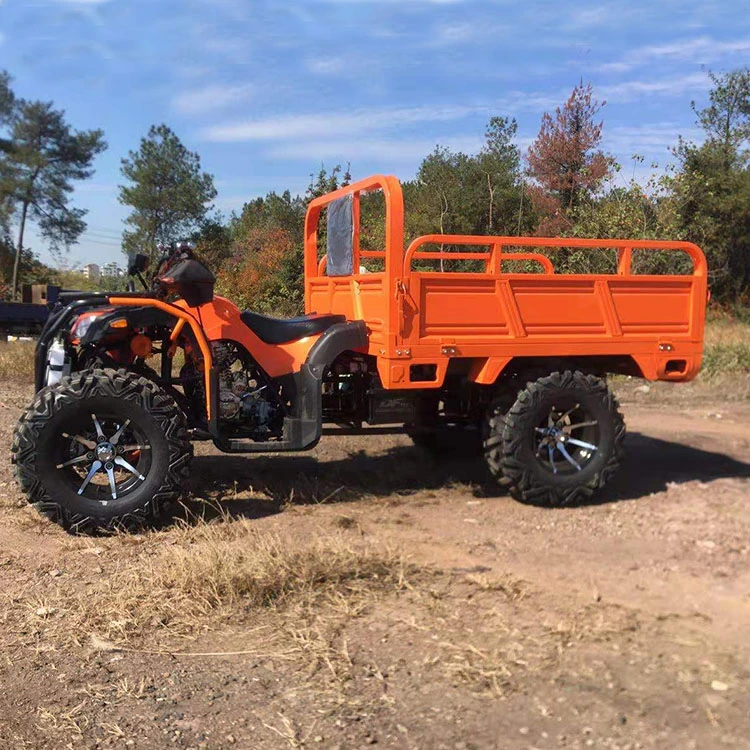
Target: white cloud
(615, 67)
(325, 65)
(454, 33)
(650, 139)
(390, 151)
(691, 49)
(210, 98)
(697, 50)
(322, 127)
(326, 125)
(84, 2)
(450, 34)
(675, 86)
(588, 17)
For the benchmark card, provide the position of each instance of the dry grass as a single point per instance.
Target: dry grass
(726, 332)
(285, 601)
(488, 671)
(17, 360)
(182, 582)
(69, 723)
(498, 658)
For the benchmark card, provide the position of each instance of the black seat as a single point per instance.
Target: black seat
(277, 331)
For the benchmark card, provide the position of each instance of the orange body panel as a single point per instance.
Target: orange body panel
(220, 319)
(418, 317)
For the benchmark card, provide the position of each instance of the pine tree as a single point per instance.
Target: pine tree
(169, 193)
(41, 158)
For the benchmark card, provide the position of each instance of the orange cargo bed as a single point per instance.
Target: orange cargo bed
(419, 320)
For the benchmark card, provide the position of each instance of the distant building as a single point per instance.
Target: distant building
(92, 271)
(113, 269)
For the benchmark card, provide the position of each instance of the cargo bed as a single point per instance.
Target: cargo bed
(422, 319)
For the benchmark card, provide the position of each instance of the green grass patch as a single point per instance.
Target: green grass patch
(726, 358)
(727, 347)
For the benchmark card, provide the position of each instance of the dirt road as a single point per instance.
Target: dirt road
(618, 625)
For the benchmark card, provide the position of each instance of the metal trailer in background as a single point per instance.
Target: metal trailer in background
(27, 318)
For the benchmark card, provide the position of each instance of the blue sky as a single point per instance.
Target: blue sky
(266, 90)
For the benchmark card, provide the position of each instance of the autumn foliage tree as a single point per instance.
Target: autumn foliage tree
(264, 267)
(252, 275)
(565, 160)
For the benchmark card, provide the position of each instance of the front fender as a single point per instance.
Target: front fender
(59, 320)
(137, 317)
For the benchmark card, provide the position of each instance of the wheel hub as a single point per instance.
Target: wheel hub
(557, 439)
(552, 435)
(106, 455)
(105, 451)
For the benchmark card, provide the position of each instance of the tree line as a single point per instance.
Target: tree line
(564, 185)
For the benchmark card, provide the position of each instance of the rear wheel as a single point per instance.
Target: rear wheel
(560, 442)
(102, 450)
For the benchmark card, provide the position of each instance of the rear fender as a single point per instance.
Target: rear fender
(308, 382)
(303, 426)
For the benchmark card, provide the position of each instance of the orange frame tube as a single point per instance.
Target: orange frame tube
(496, 256)
(183, 317)
(394, 236)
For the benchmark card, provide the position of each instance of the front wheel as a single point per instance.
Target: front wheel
(102, 450)
(560, 442)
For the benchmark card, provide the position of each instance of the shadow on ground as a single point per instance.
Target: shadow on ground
(651, 464)
(254, 487)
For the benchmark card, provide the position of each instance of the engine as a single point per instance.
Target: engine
(246, 400)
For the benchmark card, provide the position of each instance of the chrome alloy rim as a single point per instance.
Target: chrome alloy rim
(105, 459)
(568, 441)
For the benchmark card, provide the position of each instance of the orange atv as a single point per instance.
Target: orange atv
(476, 343)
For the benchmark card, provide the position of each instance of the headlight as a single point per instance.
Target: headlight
(83, 323)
